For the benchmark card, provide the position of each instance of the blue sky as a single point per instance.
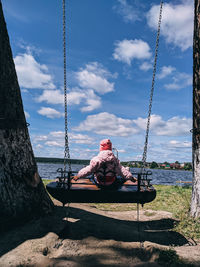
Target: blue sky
(110, 51)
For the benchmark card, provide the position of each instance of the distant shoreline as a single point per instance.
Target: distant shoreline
(59, 160)
(87, 162)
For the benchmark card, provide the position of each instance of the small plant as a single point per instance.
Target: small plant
(149, 213)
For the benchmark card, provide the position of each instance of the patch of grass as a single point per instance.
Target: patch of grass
(169, 198)
(114, 206)
(46, 181)
(149, 213)
(174, 199)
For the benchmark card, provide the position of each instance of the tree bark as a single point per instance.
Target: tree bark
(22, 193)
(195, 200)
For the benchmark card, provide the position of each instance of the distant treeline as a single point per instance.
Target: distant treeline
(59, 160)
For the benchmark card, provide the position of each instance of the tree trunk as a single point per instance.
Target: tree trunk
(22, 193)
(195, 201)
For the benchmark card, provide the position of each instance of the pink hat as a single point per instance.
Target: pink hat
(105, 144)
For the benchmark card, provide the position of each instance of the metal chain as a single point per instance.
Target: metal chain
(152, 89)
(66, 151)
(138, 225)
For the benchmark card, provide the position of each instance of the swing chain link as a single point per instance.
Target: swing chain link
(66, 151)
(138, 225)
(144, 158)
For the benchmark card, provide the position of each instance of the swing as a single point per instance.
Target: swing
(85, 190)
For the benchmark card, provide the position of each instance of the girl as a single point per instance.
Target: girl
(106, 167)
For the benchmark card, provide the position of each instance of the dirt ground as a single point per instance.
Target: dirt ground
(91, 237)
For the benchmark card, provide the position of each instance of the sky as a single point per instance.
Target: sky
(110, 54)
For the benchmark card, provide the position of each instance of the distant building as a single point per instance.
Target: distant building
(167, 166)
(182, 165)
(162, 165)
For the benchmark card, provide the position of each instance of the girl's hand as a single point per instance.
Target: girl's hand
(75, 178)
(134, 179)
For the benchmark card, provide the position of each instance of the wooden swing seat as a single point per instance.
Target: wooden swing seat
(85, 191)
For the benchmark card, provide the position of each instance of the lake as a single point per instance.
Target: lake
(165, 177)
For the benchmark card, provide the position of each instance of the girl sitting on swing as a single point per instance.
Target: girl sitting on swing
(106, 168)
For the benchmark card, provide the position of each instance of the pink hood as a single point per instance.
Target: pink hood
(105, 156)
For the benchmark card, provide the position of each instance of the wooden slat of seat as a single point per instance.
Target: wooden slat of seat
(83, 184)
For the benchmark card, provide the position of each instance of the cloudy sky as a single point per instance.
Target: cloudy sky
(110, 53)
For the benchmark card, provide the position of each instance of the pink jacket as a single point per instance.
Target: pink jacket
(112, 165)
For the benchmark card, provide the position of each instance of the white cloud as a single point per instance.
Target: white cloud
(81, 139)
(57, 134)
(128, 12)
(127, 50)
(166, 71)
(76, 96)
(51, 97)
(180, 80)
(121, 150)
(177, 23)
(146, 66)
(32, 74)
(107, 124)
(56, 139)
(95, 77)
(50, 113)
(175, 126)
(39, 146)
(54, 143)
(178, 144)
(27, 114)
(39, 138)
(87, 98)
(24, 90)
(92, 100)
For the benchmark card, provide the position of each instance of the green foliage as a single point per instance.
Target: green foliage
(174, 199)
(153, 165)
(188, 166)
(46, 181)
(149, 213)
(166, 163)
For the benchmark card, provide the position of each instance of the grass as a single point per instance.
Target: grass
(46, 181)
(174, 199)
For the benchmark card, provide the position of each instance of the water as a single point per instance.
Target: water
(167, 177)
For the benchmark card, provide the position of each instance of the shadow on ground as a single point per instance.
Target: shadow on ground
(89, 224)
(102, 227)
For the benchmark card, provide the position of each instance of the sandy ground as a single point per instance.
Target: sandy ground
(91, 237)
